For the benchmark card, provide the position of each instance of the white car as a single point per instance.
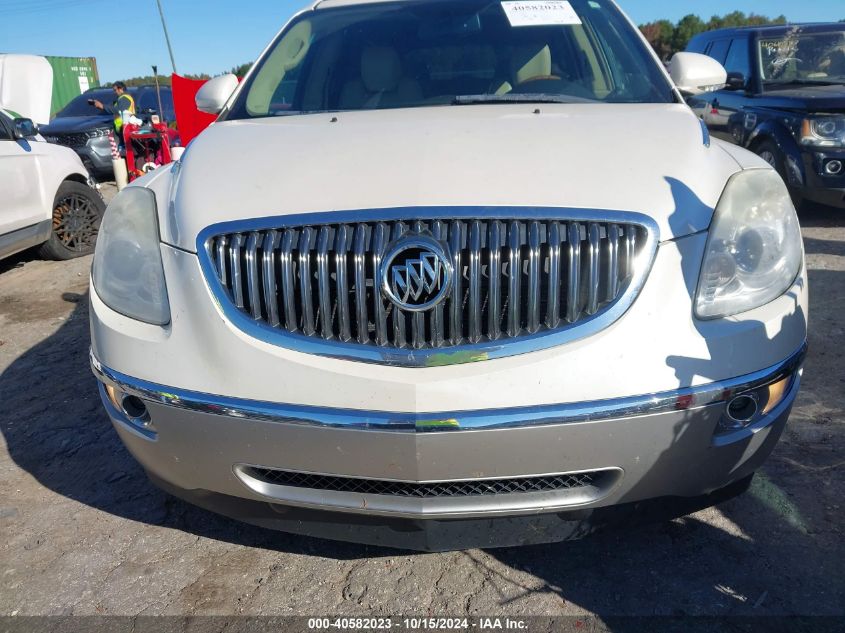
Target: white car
(452, 274)
(46, 198)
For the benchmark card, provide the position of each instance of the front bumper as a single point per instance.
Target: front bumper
(96, 156)
(830, 197)
(206, 449)
(821, 188)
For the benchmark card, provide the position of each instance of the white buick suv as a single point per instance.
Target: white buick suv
(452, 273)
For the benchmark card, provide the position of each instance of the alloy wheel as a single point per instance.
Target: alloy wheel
(76, 222)
(769, 157)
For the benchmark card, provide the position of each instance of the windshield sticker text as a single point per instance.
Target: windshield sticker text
(540, 13)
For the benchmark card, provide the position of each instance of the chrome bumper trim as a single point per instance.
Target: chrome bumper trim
(484, 419)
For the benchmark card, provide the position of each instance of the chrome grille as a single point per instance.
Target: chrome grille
(69, 140)
(514, 278)
(472, 488)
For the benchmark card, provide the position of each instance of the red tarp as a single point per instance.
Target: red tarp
(189, 120)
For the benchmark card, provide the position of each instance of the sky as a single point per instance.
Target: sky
(212, 36)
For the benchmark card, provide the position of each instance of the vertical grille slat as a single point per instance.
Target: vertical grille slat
(380, 236)
(340, 248)
(237, 280)
(457, 299)
(305, 278)
(252, 285)
(593, 257)
(514, 279)
(323, 280)
(612, 270)
(268, 276)
(509, 278)
(288, 283)
(418, 318)
(360, 258)
(630, 250)
(418, 330)
(534, 277)
(438, 231)
(494, 273)
(553, 308)
(400, 332)
(475, 282)
(222, 267)
(573, 248)
(400, 338)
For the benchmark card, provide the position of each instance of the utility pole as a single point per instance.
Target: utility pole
(166, 36)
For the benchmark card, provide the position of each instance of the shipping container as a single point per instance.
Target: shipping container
(71, 77)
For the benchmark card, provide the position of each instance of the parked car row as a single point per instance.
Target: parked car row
(49, 195)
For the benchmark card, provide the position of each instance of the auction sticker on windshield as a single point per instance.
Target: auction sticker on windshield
(540, 13)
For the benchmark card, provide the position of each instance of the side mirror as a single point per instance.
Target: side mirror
(695, 74)
(25, 128)
(214, 94)
(736, 81)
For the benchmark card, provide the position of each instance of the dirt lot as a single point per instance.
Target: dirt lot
(85, 533)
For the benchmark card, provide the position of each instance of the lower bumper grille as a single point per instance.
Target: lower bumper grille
(444, 489)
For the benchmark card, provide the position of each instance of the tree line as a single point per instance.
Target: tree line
(164, 79)
(668, 38)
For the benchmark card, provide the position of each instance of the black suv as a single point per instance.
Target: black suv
(785, 100)
(85, 129)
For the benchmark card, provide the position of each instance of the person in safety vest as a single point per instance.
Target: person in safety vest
(123, 103)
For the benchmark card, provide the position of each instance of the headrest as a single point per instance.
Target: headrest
(531, 61)
(381, 69)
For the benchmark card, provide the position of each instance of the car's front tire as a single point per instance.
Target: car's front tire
(771, 153)
(77, 212)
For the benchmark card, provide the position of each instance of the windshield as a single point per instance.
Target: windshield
(80, 107)
(799, 57)
(412, 54)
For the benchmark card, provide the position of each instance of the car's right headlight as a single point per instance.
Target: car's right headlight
(754, 250)
(128, 274)
(823, 131)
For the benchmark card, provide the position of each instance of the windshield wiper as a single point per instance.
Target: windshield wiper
(517, 98)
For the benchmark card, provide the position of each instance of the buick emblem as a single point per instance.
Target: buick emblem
(415, 273)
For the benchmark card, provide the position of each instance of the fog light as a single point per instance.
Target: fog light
(748, 408)
(132, 409)
(742, 409)
(135, 408)
(833, 167)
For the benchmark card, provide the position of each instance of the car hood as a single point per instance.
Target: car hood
(71, 124)
(807, 98)
(651, 159)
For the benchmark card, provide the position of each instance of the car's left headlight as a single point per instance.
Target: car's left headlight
(823, 132)
(754, 251)
(127, 272)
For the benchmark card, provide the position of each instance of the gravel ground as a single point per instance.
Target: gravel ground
(84, 533)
